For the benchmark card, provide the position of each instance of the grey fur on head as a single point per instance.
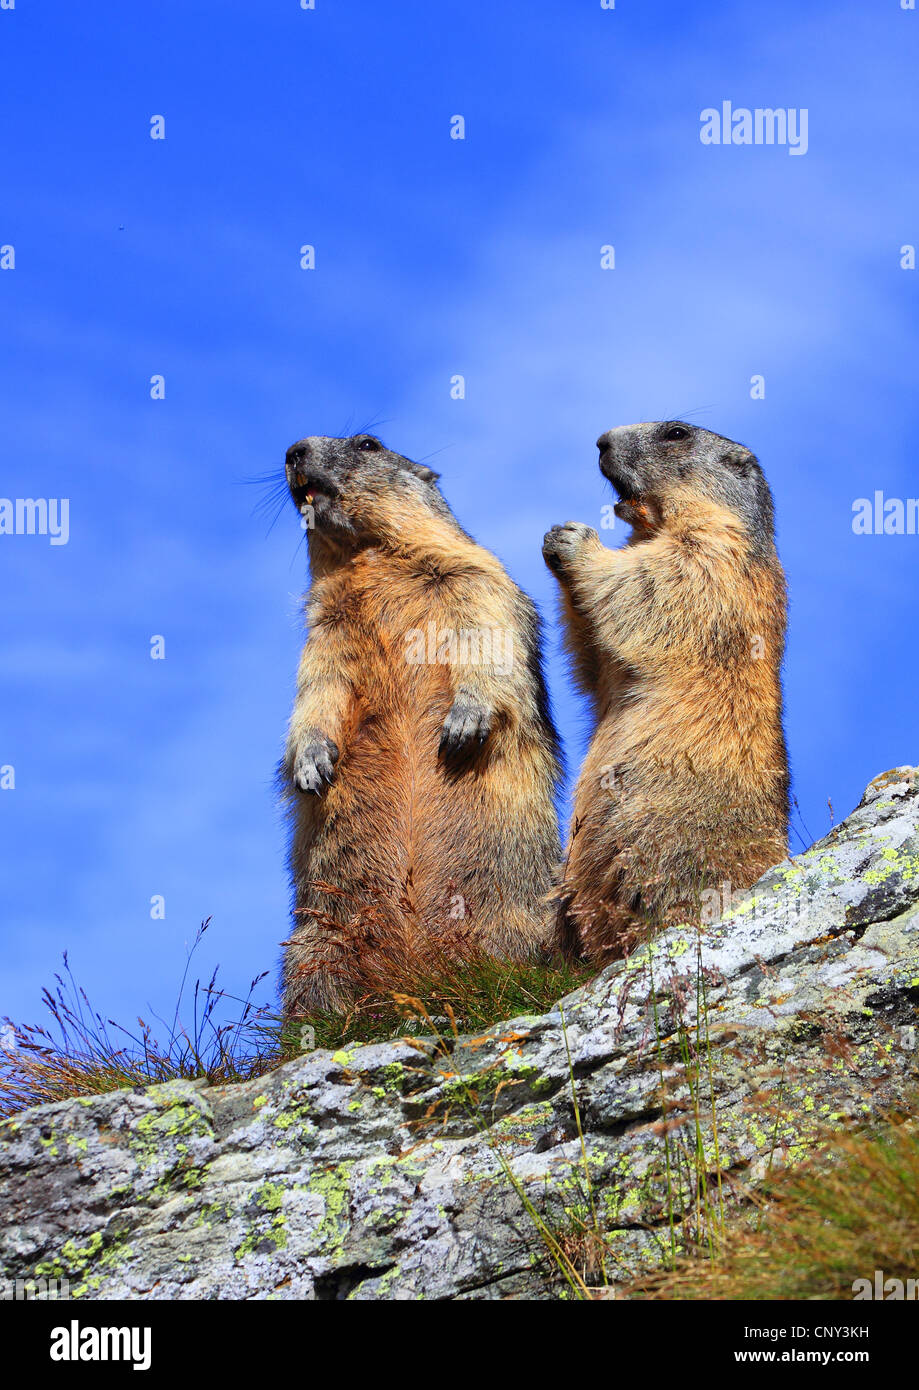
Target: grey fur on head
(643, 461)
(324, 472)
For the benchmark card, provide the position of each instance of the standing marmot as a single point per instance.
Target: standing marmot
(421, 760)
(678, 638)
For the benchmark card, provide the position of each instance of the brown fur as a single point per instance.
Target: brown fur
(678, 639)
(410, 839)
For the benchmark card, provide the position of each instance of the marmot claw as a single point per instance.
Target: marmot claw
(465, 729)
(561, 543)
(315, 764)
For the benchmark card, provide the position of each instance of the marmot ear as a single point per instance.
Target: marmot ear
(427, 475)
(738, 460)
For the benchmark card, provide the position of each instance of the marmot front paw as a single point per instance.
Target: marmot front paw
(562, 543)
(314, 766)
(466, 728)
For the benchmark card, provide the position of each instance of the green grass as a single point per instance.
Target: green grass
(78, 1052)
(821, 1225)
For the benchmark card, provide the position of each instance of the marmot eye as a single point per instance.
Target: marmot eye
(677, 432)
(370, 446)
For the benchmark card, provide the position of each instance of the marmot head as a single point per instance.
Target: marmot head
(350, 489)
(657, 468)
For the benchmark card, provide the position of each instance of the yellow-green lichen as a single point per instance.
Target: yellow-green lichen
(262, 1239)
(76, 1261)
(334, 1187)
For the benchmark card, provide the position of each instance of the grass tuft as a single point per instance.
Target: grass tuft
(79, 1053)
(821, 1226)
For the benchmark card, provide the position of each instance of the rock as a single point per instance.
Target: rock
(414, 1171)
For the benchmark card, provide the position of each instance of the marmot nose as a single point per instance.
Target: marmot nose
(605, 441)
(298, 453)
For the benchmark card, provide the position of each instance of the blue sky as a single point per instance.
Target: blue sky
(135, 257)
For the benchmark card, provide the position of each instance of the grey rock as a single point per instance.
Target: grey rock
(445, 1171)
